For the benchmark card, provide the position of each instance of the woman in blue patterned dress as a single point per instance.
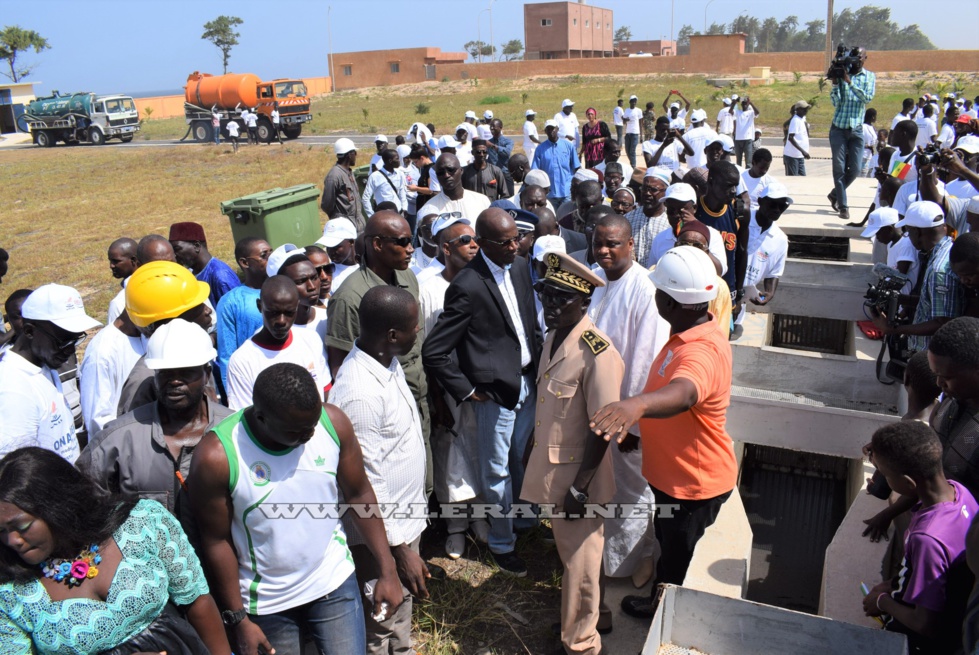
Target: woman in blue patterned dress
(86, 573)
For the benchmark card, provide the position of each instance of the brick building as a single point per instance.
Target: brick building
(567, 30)
(356, 70)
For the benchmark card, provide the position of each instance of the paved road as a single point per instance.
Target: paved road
(363, 141)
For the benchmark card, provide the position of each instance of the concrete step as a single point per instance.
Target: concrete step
(823, 289)
(851, 375)
(827, 425)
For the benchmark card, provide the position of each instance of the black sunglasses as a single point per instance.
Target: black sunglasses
(465, 239)
(504, 244)
(326, 268)
(63, 344)
(401, 242)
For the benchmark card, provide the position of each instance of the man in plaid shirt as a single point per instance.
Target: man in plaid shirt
(850, 96)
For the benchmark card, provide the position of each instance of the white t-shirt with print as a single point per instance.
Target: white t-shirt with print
(33, 410)
(726, 121)
(634, 114)
(529, 130)
(926, 130)
(617, 114)
(671, 153)
(744, 124)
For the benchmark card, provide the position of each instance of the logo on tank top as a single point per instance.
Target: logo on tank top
(260, 473)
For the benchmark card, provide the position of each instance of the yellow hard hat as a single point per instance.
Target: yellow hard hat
(161, 290)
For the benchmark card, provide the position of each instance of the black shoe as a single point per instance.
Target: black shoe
(832, 202)
(510, 563)
(640, 607)
(844, 213)
(556, 629)
(547, 535)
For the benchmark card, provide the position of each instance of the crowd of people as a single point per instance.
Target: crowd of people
(481, 338)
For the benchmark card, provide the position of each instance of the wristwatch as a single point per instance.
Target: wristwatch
(580, 496)
(738, 296)
(233, 618)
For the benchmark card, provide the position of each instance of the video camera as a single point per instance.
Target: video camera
(930, 154)
(846, 62)
(885, 297)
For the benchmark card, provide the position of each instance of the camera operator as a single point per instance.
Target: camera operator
(938, 291)
(853, 88)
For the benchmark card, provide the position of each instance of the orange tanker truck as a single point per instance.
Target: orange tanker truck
(230, 94)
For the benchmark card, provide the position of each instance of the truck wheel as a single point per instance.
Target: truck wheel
(292, 131)
(96, 137)
(202, 132)
(265, 133)
(127, 139)
(44, 140)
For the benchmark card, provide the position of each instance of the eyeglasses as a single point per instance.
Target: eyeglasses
(63, 344)
(448, 215)
(504, 244)
(556, 298)
(401, 242)
(326, 268)
(465, 239)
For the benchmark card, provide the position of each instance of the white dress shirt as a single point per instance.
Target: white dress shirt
(509, 293)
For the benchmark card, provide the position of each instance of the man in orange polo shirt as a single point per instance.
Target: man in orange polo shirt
(688, 456)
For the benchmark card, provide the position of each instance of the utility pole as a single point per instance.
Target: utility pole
(829, 32)
(491, 29)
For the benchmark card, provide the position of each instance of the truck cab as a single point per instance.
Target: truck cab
(291, 98)
(116, 117)
(82, 117)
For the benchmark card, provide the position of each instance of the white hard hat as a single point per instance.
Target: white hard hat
(687, 275)
(343, 146)
(179, 344)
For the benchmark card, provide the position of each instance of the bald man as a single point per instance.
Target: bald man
(278, 341)
(154, 248)
(484, 350)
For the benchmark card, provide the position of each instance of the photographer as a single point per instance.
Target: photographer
(665, 147)
(939, 293)
(853, 88)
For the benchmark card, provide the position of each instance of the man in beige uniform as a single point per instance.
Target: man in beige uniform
(580, 370)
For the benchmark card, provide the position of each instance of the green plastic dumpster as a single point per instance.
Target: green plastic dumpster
(361, 173)
(278, 215)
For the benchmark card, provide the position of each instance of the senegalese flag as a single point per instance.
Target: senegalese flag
(900, 169)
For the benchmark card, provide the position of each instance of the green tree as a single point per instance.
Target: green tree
(477, 49)
(622, 34)
(717, 28)
(15, 40)
(512, 49)
(221, 32)
(683, 36)
(785, 34)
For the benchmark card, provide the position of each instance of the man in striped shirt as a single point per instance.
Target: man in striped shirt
(850, 95)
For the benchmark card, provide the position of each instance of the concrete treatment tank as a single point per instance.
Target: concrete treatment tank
(225, 91)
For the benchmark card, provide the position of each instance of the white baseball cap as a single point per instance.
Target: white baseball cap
(968, 143)
(923, 214)
(179, 344)
(445, 220)
(343, 146)
(567, 102)
(530, 112)
(726, 101)
(548, 243)
(60, 305)
(698, 115)
(687, 275)
(537, 177)
(447, 142)
(674, 105)
(550, 123)
(336, 230)
(470, 114)
(776, 191)
(879, 218)
(680, 191)
(380, 137)
(484, 132)
(403, 150)
(633, 97)
(280, 255)
(735, 96)
(488, 114)
(726, 142)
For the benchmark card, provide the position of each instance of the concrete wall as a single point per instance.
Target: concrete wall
(373, 67)
(718, 54)
(173, 106)
(21, 93)
(657, 47)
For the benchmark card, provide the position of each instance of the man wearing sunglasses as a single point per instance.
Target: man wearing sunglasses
(484, 350)
(32, 402)
(454, 197)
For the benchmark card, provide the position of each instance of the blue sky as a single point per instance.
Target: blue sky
(131, 46)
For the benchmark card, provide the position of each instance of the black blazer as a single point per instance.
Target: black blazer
(474, 344)
(573, 241)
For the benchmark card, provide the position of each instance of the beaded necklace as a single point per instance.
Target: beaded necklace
(76, 571)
